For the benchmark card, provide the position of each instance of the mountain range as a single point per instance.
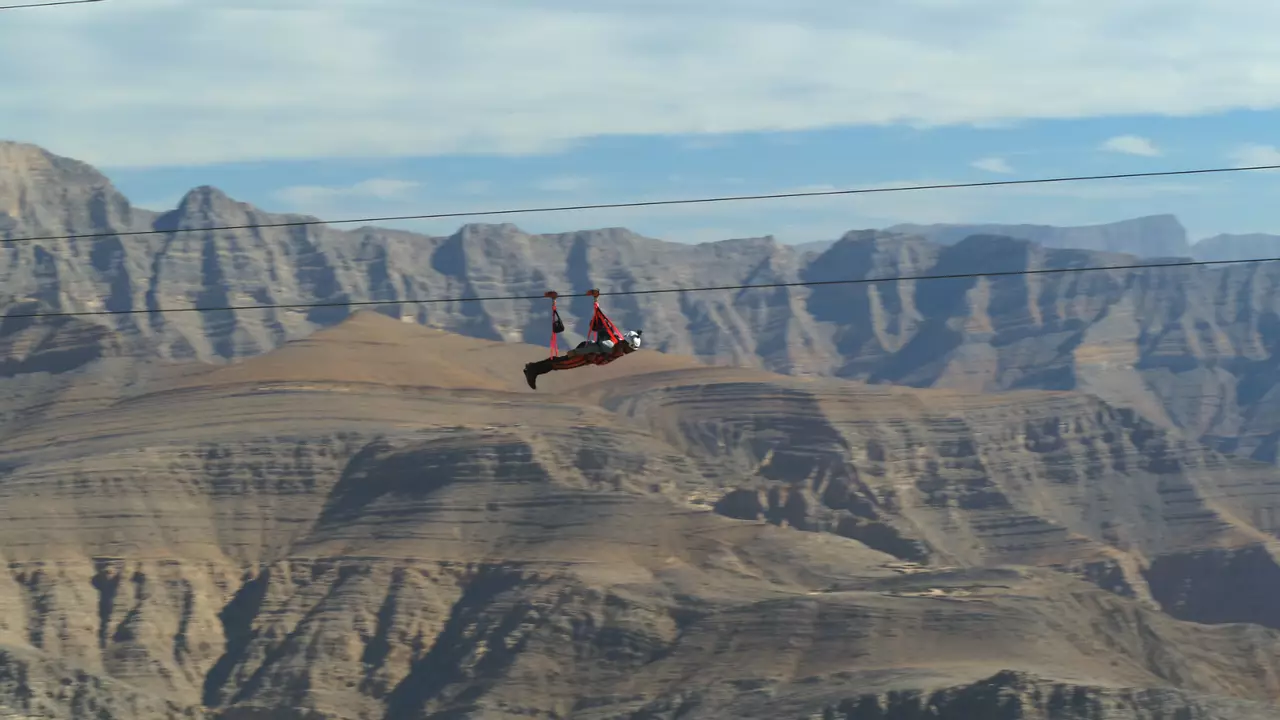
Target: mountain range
(1152, 236)
(1191, 348)
(1033, 497)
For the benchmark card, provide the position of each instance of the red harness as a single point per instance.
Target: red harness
(600, 323)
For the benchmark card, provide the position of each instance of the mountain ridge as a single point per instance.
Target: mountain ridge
(1191, 348)
(1240, 247)
(1148, 236)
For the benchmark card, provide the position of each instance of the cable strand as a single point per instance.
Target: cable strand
(47, 4)
(655, 291)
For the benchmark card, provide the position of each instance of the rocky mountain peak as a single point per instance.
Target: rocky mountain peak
(207, 204)
(41, 191)
(34, 167)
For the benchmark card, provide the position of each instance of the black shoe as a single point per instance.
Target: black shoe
(530, 377)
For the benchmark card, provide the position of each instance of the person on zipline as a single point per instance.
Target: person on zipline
(595, 350)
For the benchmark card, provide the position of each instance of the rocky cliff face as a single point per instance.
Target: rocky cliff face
(1189, 347)
(1051, 479)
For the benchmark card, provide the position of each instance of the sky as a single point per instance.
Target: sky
(358, 108)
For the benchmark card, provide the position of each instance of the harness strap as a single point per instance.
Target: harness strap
(600, 321)
(555, 348)
(556, 325)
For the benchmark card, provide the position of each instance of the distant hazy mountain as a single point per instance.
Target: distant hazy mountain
(1237, 247)
(1152, 236)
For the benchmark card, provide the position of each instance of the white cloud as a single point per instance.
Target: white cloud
(310, 196)
(993, 164)
(1131, 145)
(160, 82)
(1253, 155)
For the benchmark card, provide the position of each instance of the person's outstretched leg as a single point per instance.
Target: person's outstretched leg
(542, 367)
(534, 369)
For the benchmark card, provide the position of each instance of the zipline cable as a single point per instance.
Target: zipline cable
(650, 203)
(709, 288)
(47, 4)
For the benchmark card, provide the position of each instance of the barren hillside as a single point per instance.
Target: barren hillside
(380, 521)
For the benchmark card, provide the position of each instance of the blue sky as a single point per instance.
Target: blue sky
(343, 108)
(605, 170)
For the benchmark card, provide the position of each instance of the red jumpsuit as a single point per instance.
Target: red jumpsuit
(576, 358)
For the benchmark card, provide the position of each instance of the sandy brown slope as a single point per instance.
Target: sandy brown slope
(371, 348)
(1044, 478)
(377, 523)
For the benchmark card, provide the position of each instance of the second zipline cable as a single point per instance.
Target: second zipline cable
(655, 291)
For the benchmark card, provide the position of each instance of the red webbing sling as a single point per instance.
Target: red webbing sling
(600, 321)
